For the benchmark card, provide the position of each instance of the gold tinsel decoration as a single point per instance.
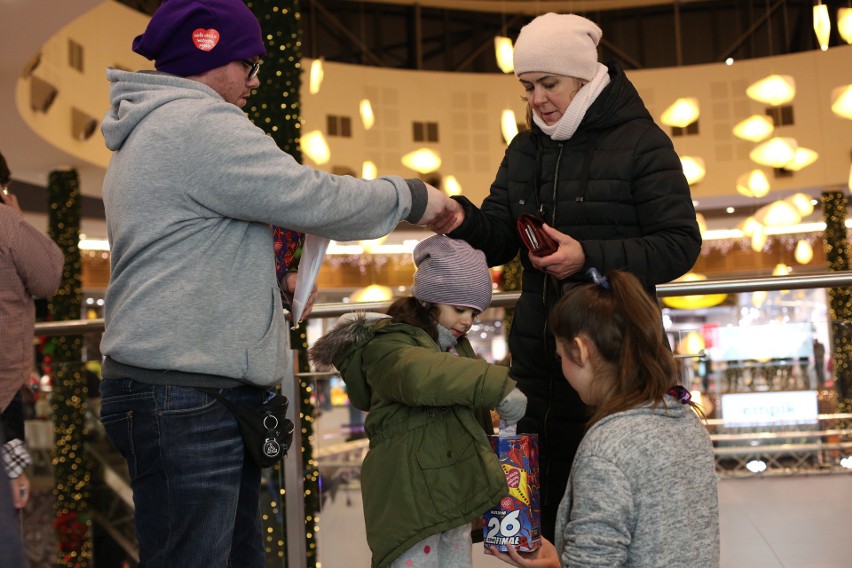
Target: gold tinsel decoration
(72, 471)
(840, 299)
(276, 108)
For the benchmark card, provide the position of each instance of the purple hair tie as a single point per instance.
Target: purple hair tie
(598, 278)
(680, 393)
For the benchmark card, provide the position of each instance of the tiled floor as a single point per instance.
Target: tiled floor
(779, 522)
(766, 522)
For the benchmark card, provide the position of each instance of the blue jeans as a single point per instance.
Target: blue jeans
(197, 493)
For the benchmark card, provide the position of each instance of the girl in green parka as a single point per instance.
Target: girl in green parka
(430, 469)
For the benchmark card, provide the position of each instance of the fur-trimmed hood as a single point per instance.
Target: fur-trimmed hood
(334, 349)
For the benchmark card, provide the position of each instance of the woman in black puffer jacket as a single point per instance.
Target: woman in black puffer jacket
(608, 183)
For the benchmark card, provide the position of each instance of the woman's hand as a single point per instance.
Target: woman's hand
(567, 260)
(545, 556)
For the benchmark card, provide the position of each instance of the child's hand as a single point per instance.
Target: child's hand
(544, 556)
(513, 407)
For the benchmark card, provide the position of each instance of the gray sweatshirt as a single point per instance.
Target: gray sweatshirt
(642, 493)
(191, 191)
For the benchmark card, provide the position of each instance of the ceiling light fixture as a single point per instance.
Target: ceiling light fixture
(315, 147)
(803, 158)
(753, 184)
(841, 101)
(804, 252)
(424, 160)
(693, 169)
(844, 24)
(681, 113)
(775, 152)
(452, 186)
(822, 25)
(755, 128)
(505, 53)
(369, 170)
(368, 119)
(508, 125)
(778, 214)
(773, 90)
(316, 76)
(802, 202)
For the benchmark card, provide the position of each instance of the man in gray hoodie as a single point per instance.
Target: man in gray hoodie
(190, 194)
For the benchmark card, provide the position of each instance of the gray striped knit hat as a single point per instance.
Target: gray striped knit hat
(451, 272)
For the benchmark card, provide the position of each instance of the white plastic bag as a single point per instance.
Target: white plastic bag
(313, 251)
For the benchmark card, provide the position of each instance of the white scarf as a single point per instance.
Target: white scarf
(567, 125)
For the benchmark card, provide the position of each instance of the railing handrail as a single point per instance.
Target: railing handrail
(503, 299)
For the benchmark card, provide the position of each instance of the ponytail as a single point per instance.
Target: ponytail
(625, 324)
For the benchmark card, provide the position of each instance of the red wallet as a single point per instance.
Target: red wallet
(535, 239)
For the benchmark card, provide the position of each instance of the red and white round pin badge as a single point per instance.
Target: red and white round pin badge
(205, 40)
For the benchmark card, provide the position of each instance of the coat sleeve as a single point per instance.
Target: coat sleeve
(37, 259)
(491, 228)
(670, 241)
(414, 375)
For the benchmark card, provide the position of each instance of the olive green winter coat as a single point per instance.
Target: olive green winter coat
(430, 466)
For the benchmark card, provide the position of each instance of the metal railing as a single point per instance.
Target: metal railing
(821, 443)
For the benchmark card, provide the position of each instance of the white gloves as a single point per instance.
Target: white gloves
(513, 407)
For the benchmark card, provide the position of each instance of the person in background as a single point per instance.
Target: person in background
(30, 265)
(191, 195)
(642, 490)
(607, 183)
(430, 470)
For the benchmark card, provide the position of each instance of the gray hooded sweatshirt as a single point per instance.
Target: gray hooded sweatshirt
(190, 194)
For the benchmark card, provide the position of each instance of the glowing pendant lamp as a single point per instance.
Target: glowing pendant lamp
(315, 147)
(505, 54)
(452, 186)
(423, 160)
(372, 293)
(844, 24)
(749, 226)
(316, 76)
(369, 170)
(803, 158)
(755, 128)
(778, 214)
(695, 301)
(682, 113)
(775, 152)
(693, 169)
(822, 25)
(702, 223)
(368, 119)
(802, 202)
(841, 101)
(758, 239)
(773, 90)
(508, 125)
(753, 184)
(804, 252)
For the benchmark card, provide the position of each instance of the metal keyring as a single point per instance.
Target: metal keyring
(270, 427)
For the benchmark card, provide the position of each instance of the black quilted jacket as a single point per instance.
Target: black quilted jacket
(616, 186)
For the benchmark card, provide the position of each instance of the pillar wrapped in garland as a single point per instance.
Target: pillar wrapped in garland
(511, 280)
(840, 299)
(276, 108)
(68, 399)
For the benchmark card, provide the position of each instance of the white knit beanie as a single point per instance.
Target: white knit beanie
(451, 272)
(563, 44)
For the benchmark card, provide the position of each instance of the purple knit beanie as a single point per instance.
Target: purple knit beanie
(189, 37)
(451, 272)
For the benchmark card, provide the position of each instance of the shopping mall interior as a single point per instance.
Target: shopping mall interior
(759, 325)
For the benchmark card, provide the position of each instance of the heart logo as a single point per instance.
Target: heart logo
(205, 40)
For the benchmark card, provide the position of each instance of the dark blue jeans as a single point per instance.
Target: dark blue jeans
(197, 493)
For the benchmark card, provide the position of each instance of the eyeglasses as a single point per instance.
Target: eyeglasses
(254, 67)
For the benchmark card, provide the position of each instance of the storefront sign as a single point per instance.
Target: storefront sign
(768, 407)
